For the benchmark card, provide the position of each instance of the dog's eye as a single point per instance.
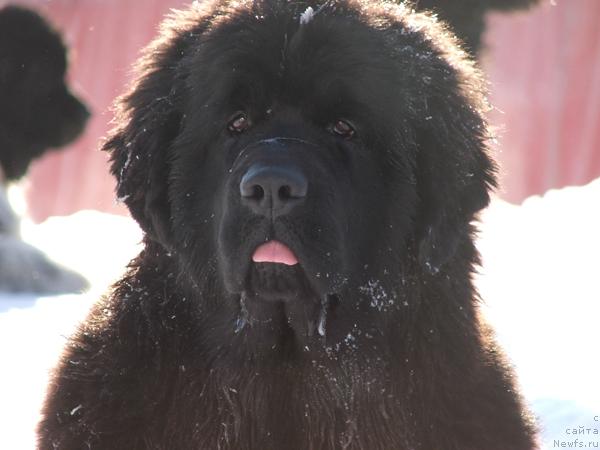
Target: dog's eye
(342, 128)
(239, 123)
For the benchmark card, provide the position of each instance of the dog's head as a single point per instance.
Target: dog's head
(37, 110)
(297, 150)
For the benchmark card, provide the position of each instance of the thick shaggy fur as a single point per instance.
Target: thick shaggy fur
(37, 112)
(373, 341)
(467, 17)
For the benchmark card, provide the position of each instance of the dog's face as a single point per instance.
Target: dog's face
(296, 157)
(37, 110)
(293, 161)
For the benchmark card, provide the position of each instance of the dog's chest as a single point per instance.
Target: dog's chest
(273, 409)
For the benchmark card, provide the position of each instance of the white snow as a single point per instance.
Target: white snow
(307, 16)
(376, 293)
(541, 286)
(540, 282)
(33, 330)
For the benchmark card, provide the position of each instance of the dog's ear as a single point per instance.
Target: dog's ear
(445, 102)
(454, 171)
(148, 119)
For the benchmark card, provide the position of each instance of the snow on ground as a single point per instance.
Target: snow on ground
(33, 330)
(540, 283)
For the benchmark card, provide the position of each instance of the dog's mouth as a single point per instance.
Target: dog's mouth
(275, 274)
(278, 288)
(274, 252)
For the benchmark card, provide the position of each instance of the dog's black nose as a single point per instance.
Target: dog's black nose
(273, 190)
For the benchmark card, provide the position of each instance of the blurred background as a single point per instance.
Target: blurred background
(539, 239)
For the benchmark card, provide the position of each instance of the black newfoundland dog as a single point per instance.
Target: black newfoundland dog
(37, 109)
(306, 175)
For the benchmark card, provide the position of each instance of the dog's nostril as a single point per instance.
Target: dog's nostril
(257, 192)
(285, 192)
(250, 190)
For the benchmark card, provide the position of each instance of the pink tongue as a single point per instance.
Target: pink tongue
(274, 252)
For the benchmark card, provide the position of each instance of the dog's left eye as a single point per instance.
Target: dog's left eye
(342, 128)
(239, 123)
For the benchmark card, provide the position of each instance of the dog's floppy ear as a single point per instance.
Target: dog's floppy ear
(148, 119)
(454, 171)
(454, 177)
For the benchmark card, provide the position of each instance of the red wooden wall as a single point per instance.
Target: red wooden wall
(544, 69)
(543, 66)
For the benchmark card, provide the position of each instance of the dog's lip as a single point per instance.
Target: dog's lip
(274, 251)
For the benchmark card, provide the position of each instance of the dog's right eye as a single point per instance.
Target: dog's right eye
(239, 123)
(342, 128)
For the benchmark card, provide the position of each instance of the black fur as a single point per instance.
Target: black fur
(467, 17)
(199, 348)
(37, 110)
